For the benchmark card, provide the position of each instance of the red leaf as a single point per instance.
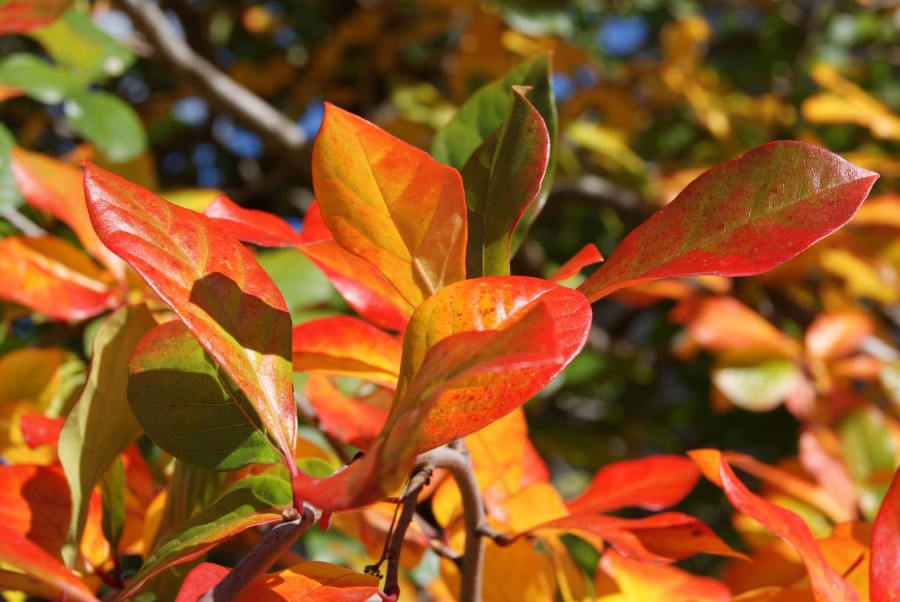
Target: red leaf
(249, 225)
(345, 346)
(826, 584)
(652, 483)
(20, 16)
(884, 571)
(588, 255)
(390, 204)
(349, 420)
(34, 502)
(213, 284)
(51, 276)
(741, 218)
(39, 430)
(364, 288)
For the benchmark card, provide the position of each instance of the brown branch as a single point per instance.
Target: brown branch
(410, 498)
(279, 134)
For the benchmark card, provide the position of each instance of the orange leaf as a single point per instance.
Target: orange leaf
(642, 582)
(51, 276)
(345, 346)
(390, 204)
(834, 335)
(588, 255)
(348, 419)
(34, 502)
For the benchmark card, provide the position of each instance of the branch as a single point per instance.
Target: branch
(410, 498)
(263, 556)
(20, 221)
(277, 131)
(457, 463)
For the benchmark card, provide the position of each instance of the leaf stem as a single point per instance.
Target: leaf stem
(410, 498)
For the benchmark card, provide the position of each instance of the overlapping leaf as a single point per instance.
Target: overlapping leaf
(348, 419)
(249, 225)
(346, 346)
(741, 218)
(390, 204)
(19, 16)
(214, 285)
(884, 570)
(34, 502)
(588, 255)
(641, 582)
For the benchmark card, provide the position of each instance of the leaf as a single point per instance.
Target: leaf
(9, 192)
(826, 584)
(642, 582)
(249, 225)
(486, 110)
(40, 375)
(38, 79)
(34, 502)
(757, 386)
(248, 503)
(52, 277)
(190, 490)
(108, 122)
(305, 582)
(19, 552)
(74, 41)
(741, 218)
(837, 334)
(100, 425)
(213, 284)
(188, 407)
(345, 346)
(390, 204)
(56, 187)
(364, 288)
(302, 284)
(350, 420)
(651, 483)
(112, 494)
(474, 352)
(19, 16)
(884, 575)
(501, 179)
(588, 255)
(39, 430)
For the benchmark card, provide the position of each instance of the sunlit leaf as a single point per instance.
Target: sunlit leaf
(100, 425)
(885, 563)
(741, 218)
(214, 285)
(188, 407)
(346, 346)
(642, 582)
(248, 503)
(51, 276)
(502, 178)
(587, 255)
(756, 386)
(390, 204)
(107, 121)
(833, 335)
(19, 16)
(348, 419)
(250, 225)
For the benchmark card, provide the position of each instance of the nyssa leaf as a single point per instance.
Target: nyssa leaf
(34, 502)
(589, 254)
(188, 407)
(391, 204)
(502, 178)
(743, 217)
(213, 284)
(251, 225)
(19, 16)
(884, 571)
(642, 581)
(348, 419)
(100, 425)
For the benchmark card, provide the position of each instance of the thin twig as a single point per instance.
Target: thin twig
(21, 221)
(410, 498)
(277, 131)
(263, 556)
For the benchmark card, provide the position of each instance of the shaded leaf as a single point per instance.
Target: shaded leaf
(188, 407)
(9, 192)
(100, 425)
(345, 346)
(741, 218)
(34, 502)
(501, 179)
(38, 79)
(250, 225)
(213, 284)
(112, 496)
(248, 503)
(108, 122)
(884, 576)
(390, 204)
(19, 16)
(348, 419)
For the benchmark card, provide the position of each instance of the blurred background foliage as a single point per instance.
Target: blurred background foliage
(650, 93)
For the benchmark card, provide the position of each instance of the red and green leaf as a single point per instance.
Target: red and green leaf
(213, 284)
(390, 204)
(251, 225)
(741, 218)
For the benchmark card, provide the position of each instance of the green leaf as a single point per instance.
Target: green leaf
(869, 454)
(758, 387)
(486, 110)
(250, 502)
(38, 79)
(191, 490)
(74, 41)
(100, 425)
(301, 283)
(112, 494)
(189, 407)
(501, 178)
(108, 122)
(9, 192)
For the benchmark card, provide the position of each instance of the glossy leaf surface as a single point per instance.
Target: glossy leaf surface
(250, 225)
(390, 204)
(19, 16)
(214, 285)
(346, 346)
(827, 585)
(884, 573)
(190, 409)
(100, 425)
(304, 582)
(51, 276)
(364, 288)
(741, 218)
(249, 502)
(501, 179)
